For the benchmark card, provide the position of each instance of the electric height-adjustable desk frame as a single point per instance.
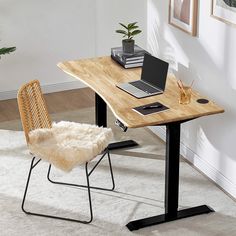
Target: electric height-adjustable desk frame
(102, 74)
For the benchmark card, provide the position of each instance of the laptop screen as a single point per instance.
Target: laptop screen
(154, 71)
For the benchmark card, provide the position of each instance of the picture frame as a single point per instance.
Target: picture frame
(183, 15)
(224, 10)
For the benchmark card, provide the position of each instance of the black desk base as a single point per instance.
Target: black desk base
(171, 185)
(171, 175)
(155, 220)
(122, 144)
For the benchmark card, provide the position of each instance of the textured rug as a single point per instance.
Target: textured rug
(139, 176)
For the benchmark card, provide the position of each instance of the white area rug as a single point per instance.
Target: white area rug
(139, 193)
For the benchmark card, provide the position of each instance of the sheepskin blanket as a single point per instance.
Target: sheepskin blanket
(68, 144)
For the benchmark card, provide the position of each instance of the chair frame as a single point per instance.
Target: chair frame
(34, 162)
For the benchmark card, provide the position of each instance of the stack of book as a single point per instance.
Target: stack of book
(128, 60)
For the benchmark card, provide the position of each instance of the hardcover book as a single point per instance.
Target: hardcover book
(127, 65)
(125, 57)
(128, 60)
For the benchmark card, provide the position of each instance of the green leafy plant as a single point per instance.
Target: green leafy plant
(4, 51)
(129, 30)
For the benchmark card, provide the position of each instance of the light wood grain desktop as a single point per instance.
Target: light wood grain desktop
(102, 74)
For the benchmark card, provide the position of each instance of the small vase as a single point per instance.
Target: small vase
(128, 46)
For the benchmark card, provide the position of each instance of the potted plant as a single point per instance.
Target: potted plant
(129, 32)
(6, 50)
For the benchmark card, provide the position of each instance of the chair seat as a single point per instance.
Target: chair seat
(68, 144)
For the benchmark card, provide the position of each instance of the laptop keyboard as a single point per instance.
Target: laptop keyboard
(144, 87)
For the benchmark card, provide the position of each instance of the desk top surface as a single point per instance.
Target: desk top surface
(102, 74)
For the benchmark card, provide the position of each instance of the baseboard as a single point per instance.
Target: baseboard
(50, 88)
(203, 166)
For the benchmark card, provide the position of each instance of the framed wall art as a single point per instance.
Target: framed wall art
(183, 15)
(224, 10)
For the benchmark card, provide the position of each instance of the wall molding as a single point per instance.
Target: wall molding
(49, 88)
(211, 172)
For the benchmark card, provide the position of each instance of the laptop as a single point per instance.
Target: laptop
(153, 78)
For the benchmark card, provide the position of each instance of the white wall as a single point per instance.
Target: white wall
(46, 32)
(209, 58)
(110, 13)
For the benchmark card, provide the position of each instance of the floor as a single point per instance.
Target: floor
(69, 100)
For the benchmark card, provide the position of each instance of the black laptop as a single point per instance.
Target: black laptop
(153, 78)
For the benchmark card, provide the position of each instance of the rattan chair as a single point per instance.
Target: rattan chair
(34, 115)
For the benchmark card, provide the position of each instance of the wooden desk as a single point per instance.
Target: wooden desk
(102, 74)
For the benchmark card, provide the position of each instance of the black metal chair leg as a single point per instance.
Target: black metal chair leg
(89, 193)
(111, 171)
(84, 186)
(52, 216)
(26, 187)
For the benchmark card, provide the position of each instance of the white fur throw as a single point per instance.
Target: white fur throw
(68, 144)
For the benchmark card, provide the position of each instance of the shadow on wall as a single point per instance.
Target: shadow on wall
(209, 84)
(155, 43)
(213, 136)
(180, 49)
(191, 59)
(229, 52)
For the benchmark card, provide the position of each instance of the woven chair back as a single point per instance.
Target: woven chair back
(32, 107)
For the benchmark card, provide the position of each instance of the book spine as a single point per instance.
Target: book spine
(134, 61)
(128, 57)
(131, 59)
(134, 58)
(131, 65)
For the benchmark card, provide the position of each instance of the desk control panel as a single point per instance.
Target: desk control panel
(121, 125)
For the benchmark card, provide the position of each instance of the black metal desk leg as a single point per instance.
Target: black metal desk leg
(172, 169)
(100, 111)
(101, 120)
(171, 186)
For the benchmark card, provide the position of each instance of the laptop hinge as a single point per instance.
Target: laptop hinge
(151, 85)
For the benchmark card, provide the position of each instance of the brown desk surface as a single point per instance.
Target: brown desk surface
(102, 74)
